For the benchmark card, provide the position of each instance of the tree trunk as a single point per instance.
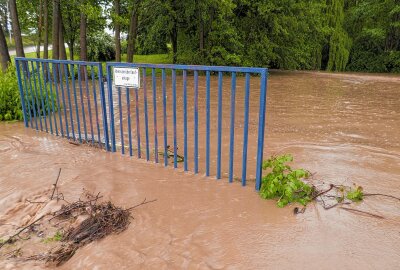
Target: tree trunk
(55, 32)
(71, 50)
(19, 47)
(174, 33)
(174, 41)
(39, 29)
(132, 35)
(82, 40)
(61, 43)
(5, 56)
(117, 32)
(45, 30)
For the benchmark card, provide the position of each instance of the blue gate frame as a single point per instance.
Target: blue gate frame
(59, 73)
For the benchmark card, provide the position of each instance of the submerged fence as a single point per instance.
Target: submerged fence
(197, 107)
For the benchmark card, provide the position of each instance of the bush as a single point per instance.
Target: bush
(101, 47)
(10, 102)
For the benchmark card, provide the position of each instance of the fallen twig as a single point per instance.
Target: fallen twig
(323, 192)
(74, 143)
(20, 231)
(55, 185)
(29, 201)
(362, 212)
(380, 194)
(144, 202)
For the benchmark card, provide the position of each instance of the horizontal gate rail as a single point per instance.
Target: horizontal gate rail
(154, 69)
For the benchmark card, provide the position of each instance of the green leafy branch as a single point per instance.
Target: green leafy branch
(289, 185)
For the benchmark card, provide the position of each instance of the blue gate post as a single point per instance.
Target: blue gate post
(21, 92)
(261, 128)
(103, 107)
(111, 108)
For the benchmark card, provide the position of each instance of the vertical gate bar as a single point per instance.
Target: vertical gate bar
(185, 143)
(52, 97)
(139, 151)
(21, 92)
(47, 97)
(55, 68)
(146, 120)
(103, 107)
(121, 127)
(63, 100)
(219, 125)
(245, 128)
(174, 116)
(32, 95)
(67, 88)
(36, 96)
(128, 110)
(164, 93)
(232, 127)
(95, 104)
(208, 123)
(41, 96)
(76, 102)
(88, 102)
(26, 90)
(154, 86)
(111, 108)
(82, 102)
(196, 122)
(261, 128)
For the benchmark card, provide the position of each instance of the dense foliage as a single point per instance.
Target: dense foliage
(101, 47)
(10, 108)
(10, 101)
(335, 35)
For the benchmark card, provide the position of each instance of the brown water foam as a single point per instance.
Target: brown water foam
(345, 131)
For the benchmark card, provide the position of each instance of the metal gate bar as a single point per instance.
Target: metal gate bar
(184, 69)
(58, 107)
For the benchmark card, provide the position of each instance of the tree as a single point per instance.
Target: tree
(61, 43)
(19, 47)
(132, 34)
(339, 41)
(39, 31)
(55, 32)
(45, 29)
(117, 30)
(83, 34)
(5, 56)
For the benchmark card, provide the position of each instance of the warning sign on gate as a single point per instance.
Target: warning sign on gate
(127, 77)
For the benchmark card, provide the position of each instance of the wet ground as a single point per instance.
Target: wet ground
(344, 127)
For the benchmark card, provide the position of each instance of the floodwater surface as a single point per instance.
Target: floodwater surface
(345, 128)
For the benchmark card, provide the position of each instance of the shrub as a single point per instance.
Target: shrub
(101, 47)
(10, 102)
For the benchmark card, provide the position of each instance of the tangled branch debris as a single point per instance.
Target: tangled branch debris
(100, 219)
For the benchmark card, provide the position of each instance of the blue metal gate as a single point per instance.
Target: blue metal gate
(83, 105)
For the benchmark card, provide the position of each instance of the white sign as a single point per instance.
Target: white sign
(127, 77)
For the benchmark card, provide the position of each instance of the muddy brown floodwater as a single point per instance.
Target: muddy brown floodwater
(344, 127)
